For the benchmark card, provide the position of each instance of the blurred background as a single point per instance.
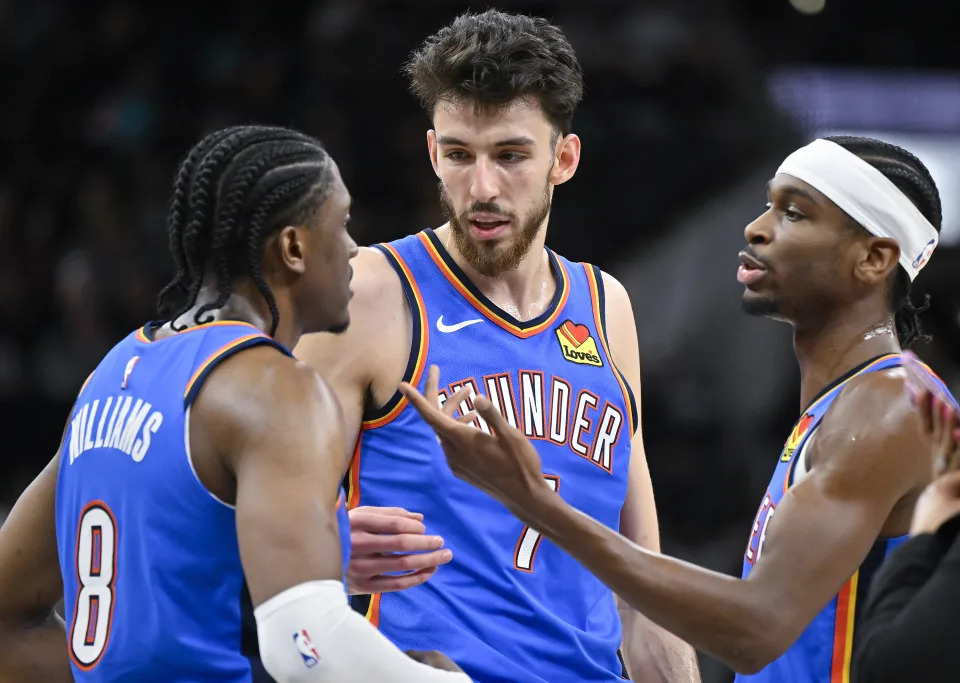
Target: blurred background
(689, 108)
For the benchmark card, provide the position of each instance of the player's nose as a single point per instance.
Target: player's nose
(483, 185)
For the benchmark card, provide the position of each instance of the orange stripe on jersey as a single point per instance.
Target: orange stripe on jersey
(488, 312)
(142, 332)
(424, 342)
(85, 383)
(843, 631)
(602, 333)
(373, 611)
(215, 355)
(353, 478)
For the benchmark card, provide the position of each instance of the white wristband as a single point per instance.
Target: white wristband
(309, 634)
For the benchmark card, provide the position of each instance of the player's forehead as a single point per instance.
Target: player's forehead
(785, 184)
(521, 119)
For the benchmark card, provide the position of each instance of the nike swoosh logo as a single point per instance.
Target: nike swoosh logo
(456, 326)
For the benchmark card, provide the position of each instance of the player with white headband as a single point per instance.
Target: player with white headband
(849, 223)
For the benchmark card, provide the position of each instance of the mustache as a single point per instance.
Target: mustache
(752, 253)
(488, 207)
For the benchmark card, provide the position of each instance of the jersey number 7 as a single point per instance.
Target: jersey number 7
(526, 550)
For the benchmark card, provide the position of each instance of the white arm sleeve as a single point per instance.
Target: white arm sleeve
(309, 634)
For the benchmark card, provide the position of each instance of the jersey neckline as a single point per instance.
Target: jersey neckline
(146, 334)
(455, 275)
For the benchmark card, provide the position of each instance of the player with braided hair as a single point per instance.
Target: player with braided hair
(191, 519)
(850, 222)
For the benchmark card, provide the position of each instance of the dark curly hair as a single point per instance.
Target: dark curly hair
(234, 189)
(909, 174)
(493, 58)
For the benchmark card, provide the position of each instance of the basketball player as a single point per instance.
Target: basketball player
(551, 340)
(850, 222)
(200, 458)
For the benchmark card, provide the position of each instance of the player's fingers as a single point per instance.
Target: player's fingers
(372, 566)
(389, 584)
(374, 523)
(501, 428)
(452, 404)
(947, 485)
(944, 424)
(432, 387)
(392, 511)
(364, 544)
(468, 418)
(428, 411)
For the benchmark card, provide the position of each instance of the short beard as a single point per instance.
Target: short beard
(490, 259)
(759, 306)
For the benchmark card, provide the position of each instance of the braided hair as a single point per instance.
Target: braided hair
(235, 188)
(909, 174)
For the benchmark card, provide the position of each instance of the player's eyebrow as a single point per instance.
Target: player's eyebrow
(793, 190)
(520, 141)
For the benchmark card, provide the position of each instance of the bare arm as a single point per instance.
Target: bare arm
(276, 427)
(354, 362)
(839, 509)
(651, 653)
(33, 645)
(363, 365)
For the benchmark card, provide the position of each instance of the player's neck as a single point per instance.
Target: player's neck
(847, 339)
(525, 291)
(244, 305)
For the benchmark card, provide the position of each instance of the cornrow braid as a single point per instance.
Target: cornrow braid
(175, 222)
(250, 167)
(235, 188)
(205, 184)
(912, 178)
(279, 195)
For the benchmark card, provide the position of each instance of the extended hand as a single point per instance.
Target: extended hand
(386, 540)
(504, 464)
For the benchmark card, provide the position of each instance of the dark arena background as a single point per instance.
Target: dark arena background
(689, 108)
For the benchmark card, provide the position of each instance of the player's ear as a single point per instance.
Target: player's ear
(879, 256)
(432, 149)
(566, 158)
(290, 248)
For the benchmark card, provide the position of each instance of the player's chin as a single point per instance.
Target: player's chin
(758, 303)
(341, 325)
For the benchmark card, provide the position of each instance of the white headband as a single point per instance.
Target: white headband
(867, 196)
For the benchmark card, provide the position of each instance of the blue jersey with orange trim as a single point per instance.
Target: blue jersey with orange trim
(510, 606)
(822, 653)
(153, 586)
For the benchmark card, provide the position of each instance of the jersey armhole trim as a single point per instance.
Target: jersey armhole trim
(186, 446)
(595, 279)
(420, 338)
(196, 381)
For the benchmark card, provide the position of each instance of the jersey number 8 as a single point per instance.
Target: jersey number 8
(96, 570)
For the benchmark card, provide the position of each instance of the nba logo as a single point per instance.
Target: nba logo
(128, 370)
(306, 649)
(924, 256)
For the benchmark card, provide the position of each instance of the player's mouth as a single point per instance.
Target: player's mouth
(751, 269)
(487, 226)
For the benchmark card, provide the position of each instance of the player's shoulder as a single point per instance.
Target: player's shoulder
(875, 398)
(871, 415)
(376, 287)
(259, 383)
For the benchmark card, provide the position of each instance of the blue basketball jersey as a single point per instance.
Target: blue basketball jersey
(823, 652)
(510, 606)
(153, 586)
